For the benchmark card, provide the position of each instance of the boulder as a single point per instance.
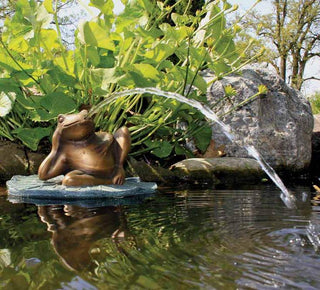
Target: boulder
(278, 123)
(15, 160)
(222, 171)
(201, 171)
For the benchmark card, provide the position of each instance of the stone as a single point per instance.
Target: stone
(223, 171)
(148, 172)
(34, 160)
(16, 160)
(279, 123)
(13, 160)
(32, 189)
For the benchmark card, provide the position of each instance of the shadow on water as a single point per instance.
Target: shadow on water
(196, 239)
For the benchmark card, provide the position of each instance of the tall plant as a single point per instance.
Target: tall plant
(113, 53)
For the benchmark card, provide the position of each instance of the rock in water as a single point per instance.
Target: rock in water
(279, 123)
(29, 187)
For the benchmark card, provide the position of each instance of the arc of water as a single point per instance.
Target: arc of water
(286, 196)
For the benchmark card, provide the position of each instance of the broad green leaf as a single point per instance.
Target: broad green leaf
(48, 5)
(93, 55)
(8, 85)
(92, 33)
(160, 52)
(180, 150)
(49, 38)
(52, 105)
(161, 149)
(147, 71)
(31, 136)
(203, 138)
(133, 15)
(102, 77)
(175, 34)
(219, 67)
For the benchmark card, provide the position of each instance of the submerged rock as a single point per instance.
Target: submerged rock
(225, 170)
(279, 123)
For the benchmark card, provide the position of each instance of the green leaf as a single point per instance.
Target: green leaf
(160, 52)
(161, 149)
(52, 105)
(102, 77)
(180, 150)
(105, 6)
(31, 136)
(93, 55)
(48, 5)
(203, 138)
(92, 33)
(147, 70)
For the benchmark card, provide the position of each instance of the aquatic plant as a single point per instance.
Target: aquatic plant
(113, 53)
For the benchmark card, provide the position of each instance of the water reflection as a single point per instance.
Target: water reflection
(199, 239)
(75, 230)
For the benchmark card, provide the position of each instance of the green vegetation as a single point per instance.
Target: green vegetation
(40, 78)
(315, 103)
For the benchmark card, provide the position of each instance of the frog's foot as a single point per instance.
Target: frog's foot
(79, 178)
(118, 176)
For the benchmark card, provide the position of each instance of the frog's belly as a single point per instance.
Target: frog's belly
(91, 162)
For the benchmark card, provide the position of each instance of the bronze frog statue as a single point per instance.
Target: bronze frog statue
(84, 156)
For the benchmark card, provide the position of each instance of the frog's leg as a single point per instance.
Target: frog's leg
(121, 148)
(80, 178)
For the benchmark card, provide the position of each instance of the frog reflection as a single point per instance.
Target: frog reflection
(84, 156)
(75, 231)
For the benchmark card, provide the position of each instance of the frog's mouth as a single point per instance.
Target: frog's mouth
(78, 122)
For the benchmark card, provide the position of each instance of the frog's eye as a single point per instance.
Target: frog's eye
(60, 118)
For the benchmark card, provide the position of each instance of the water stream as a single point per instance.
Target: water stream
(286, 196)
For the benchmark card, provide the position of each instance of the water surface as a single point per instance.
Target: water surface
(188, 239)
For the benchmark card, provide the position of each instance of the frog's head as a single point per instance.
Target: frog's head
(75, 127)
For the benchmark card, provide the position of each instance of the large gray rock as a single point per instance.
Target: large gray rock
(279, 124)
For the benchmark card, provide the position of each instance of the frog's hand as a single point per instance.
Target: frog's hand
(118, 176)
(52, 166)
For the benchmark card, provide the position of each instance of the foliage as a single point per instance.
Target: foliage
(291, 36)
(113, 53)
(315, 103)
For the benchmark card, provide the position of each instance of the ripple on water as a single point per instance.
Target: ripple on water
(195, 239)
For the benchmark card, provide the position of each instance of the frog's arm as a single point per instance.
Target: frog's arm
(54, 164)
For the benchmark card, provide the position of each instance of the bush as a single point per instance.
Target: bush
(113, 53)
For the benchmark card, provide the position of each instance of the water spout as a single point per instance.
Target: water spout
(286, 196)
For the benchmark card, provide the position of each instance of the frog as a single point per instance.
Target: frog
(85, 157)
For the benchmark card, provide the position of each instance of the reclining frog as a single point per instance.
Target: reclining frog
(84, 156)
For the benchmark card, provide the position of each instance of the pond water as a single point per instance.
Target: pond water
(187, 239)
